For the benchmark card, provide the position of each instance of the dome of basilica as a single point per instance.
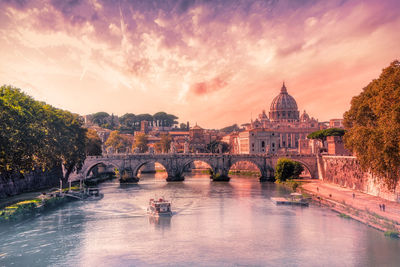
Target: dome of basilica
(284, 107)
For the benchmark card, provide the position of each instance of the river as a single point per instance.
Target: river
(214, 224)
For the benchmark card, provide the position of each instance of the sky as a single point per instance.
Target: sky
(213, 63)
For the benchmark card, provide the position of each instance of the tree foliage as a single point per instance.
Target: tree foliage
(93, 145)
(323, 134)
(117, 141)
(215, 146)
(141, 141)
(373, 125)
(287, 169)
(100, 118)
(164, 144)
(131, 122)
(36, 135)
(230, 129)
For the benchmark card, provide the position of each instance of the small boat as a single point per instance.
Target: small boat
(160, 207)
(294, 199)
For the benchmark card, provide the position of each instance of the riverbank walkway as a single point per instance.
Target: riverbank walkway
(360, 200)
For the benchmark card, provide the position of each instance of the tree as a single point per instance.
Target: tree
(100, 118)
(230, 129)
(183, 126)
(287, 169)
(298, 169)
(373, 126)
(128, 120)
(34, 135)
(323, 134)
(141, 142)
(165, 143)
(93, 145)
(117, 141)
(164, 119)
(215, 145)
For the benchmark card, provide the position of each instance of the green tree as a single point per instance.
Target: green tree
(373, 125)
(164, 119)
(141, 141)
(298, 169)
(164, 145)
(215, 145)
(117, 141)
(323, 134)
(93, 145)
(183, 126)
(287, 169)
(128, 120)
(100, 118)
(36, 135)
(230, 129)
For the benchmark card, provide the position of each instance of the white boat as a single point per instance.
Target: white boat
(294, 199)
(160, 207)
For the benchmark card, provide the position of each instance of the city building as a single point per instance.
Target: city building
(336, 123)
(279, 131)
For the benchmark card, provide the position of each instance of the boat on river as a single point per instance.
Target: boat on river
(160, 207)
(294, 199)
(90, 193)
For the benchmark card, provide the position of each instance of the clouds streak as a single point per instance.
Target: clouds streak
(160, 51)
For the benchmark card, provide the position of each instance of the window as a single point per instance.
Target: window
(263, 144)
(273, 144)
(252, 145)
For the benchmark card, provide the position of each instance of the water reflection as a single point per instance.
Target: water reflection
(213, 224)
(160, 222)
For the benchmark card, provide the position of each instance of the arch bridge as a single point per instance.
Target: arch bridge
(175, 164)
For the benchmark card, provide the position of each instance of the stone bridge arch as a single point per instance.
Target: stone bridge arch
(187, 162)
(266, 170)
(139, 164)
(309, 162)
(92, 162)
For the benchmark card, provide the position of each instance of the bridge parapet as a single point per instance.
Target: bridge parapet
(176, 163)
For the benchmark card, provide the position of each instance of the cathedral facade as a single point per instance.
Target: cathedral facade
(279, 131)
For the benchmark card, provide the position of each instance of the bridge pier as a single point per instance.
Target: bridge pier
(267, 176)
(175, 178)
(219, 175)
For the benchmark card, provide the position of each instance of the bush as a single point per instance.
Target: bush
(392, 234)
(287, 169)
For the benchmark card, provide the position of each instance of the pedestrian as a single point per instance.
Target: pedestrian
(354, 195)
(383, 207)
(317, 189)
(380, 207)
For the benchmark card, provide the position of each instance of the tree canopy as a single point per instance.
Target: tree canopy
(215, 146)
(117, 141)
(287, 169)
(140, 144)
(373, 125)
(230, 129)
(93, 145)
(131, 122)
(322, 134)
(36, 135)
(164, 145)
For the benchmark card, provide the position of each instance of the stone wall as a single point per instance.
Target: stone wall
(346, 171)
(36, 180)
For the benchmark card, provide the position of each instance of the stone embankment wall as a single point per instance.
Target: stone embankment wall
(36, 180)
(346, 171)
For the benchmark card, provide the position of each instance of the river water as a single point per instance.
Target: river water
(214, 224)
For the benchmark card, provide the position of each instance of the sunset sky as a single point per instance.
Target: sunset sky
(211, 62)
